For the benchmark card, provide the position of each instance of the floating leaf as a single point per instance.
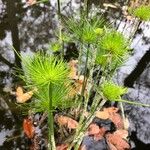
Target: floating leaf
(28, 128)
(66, 121)
(23, 97)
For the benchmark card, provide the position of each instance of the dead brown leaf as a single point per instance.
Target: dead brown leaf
(73, 69)
(117, 141)
(66, 121)
(31, 2)
(111, 113)
(62, 147)
(23, 97)
(28, 128)
(96, 131)
(122, 133)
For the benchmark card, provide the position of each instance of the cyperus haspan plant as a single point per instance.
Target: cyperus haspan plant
(142, 12)
(47, 73)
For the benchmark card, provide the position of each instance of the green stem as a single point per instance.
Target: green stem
(86, 9)
(60, 27)
(134, 103)
(52, 145)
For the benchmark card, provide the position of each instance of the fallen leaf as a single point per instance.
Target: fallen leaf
(122, 133)
(31, 2)
(111, 113)
(96, 131)
(77, 87)
(73, 69)
(62, 147)
(28, 128)
(102, 114)
(117, 141)
(23, 97)
(93, 129)
(69, 122)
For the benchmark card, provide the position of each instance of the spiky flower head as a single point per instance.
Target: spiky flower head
(112, 91)
(42, 69)
(142, 12)
(114, 42)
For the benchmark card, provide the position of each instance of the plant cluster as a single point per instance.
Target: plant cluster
(100, 47)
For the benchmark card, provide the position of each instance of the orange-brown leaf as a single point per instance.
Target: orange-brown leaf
(96, 131)
(93, 129)
(122, 133)
(23, 97)
(28, 128)
(31, 2)
(102, 114)
(111, 113)
(62, 147)
(73, 69)
(69, 122)
(117, 141)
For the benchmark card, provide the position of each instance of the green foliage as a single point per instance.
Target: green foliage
(85, 30)
(56, 46)
(142, 12)
(112, 91)
(60, 98)
(114, 43)
(42, 69)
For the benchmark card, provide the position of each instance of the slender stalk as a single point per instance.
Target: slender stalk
(134, 103)
(122, 113)
(86, 9)
(52, 145)
(60, 27)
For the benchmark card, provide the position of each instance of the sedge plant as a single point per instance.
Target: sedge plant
(99, 46)
(47, 74)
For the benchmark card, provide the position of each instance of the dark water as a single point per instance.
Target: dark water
(30, 28)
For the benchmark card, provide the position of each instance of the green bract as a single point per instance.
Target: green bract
(44, 69)
(142, 12)
(85, 30)
(59, 98)
(112, 91)
(114, 42)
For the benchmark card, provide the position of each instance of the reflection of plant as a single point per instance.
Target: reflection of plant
(142, 12)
